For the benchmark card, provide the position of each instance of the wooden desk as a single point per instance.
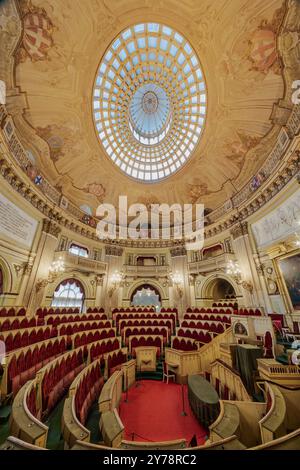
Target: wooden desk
(183, 363)
(146, 358)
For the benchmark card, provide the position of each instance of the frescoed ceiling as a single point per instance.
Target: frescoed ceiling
(51, 52)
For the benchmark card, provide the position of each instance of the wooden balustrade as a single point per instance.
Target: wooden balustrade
(273, 424)
(229, 378)
(111, 393)
(23, 424)
(227, 423)
(182, 363)
(211, 351)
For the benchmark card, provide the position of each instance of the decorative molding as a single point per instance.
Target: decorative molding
(99, 279)
(113, 251)
(180, 251)
(51, 228)
(239, 230)
(39, 199)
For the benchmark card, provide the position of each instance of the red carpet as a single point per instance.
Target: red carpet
(153, 413)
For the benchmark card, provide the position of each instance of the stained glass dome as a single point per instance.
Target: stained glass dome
(149, 101)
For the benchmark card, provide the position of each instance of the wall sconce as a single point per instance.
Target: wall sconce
(233, 270)
(115, 281)
(56, 268)
(177, 280)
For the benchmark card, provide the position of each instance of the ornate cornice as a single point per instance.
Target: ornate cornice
(180, 251)
(113, 251)
(239, 230)
(51, 228)
(239, 209)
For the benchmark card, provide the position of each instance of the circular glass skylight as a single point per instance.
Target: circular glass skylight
(149, 101)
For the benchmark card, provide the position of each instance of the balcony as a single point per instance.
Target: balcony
(211, 264)
(146, 271)
(81, 263)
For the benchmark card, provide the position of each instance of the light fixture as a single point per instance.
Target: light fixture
(234, 270)
(115, 281)
(177, 280)
(57, 267)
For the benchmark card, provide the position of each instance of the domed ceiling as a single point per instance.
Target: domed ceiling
(149, 101)
(163, 101)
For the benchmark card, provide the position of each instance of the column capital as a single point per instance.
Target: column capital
(239, 230)
(51, 228)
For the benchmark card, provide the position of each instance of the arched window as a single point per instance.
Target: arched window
(68, 293)
(146, 295)
(79, 250)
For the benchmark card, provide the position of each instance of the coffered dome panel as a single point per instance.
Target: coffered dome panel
(149, 101)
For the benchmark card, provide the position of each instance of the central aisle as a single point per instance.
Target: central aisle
(153, 413)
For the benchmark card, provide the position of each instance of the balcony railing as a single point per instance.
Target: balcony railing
(86, 264)
(212, 263)
(151, 270)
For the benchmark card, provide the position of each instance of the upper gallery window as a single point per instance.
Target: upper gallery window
(79, 250)
(149, 101)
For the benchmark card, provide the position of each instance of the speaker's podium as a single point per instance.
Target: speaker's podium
(146, 358)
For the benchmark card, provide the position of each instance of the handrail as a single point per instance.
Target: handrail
(273, 422)
(205, 358)
(23, 424)
(105, 401)
(227, 423)
(239, 388)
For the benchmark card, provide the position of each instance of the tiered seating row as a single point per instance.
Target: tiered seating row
(43, 311)
(58, 319)
(117, 317)
(133, 309)
(228, 304)
(95, 310)
(146, 323)
(211, 325)
(72, 328)
(23, 364)
(146, 340)
(83, 338)
(84, 390)
(227, 311)
(207, 317)
(114, 359)
(55, 378)
(98, 349)
(12, 312)
(203, 336)
(184, 344)
(16, 339)
(145, 330)
(10, 323)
